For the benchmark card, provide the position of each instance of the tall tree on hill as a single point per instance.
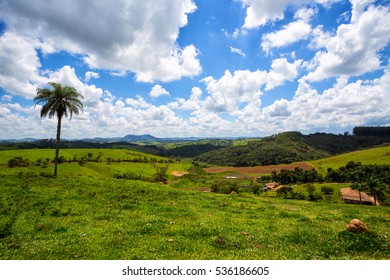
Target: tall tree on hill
(58, 101)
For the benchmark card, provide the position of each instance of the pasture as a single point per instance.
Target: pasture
(85, 213)
(380, 155)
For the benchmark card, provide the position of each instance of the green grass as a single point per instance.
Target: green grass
(96, 169)
(69, 154)
(87, 214)
(379, 155)
(90, 218)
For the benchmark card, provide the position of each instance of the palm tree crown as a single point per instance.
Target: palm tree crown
(59, 101)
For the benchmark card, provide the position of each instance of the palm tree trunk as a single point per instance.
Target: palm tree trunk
(57, 144)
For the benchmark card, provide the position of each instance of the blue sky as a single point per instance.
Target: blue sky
(204, 68)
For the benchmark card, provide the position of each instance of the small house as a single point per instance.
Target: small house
(270, 186)
(349, 195)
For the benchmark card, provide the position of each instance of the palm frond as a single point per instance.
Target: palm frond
(59, 101)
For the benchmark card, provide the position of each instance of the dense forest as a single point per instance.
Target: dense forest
(263, 152)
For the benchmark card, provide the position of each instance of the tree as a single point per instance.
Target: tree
(374, 188)
(161, 173)
(358, 178)
(58, 101)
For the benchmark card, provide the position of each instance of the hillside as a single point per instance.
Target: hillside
(88, 218)
(291, 147)
(100, 163)
(263, 152)
(380, 155)
(88, 212)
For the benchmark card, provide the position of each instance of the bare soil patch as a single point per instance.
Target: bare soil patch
(254, 170)
(179, 173)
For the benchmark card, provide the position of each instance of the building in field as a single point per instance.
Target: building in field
(349, 195)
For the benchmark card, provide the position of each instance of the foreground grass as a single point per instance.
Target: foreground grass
(101, 218)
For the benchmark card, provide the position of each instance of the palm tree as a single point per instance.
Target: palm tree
(59, 101)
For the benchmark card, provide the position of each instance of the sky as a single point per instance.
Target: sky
(180, 68)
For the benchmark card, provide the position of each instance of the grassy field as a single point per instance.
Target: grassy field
(100, 169)
(379, 155)
(69, 154)
(90, 215)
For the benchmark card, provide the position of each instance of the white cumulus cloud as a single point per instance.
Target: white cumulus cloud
(291, 33)
(354, 49)
(261, 12)
(128, 35)
(158, 91)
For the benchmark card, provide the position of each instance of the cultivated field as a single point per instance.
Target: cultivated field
(259, 170)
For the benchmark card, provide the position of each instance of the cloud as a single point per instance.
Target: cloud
(363, 102)
(344, 105)
(261, 12)
(19, 71)
(281, 71)
(136, 36)
(91, 75)
(291, 33)
(237, 51)
(67, 76)
(233, 90)
(192, 104)
(6, 98)
(354, 49)
(158, 91)
(319, 38)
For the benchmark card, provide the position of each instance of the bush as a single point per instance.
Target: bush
(18, 162)
(161, 173)
(61, 159)
(298, 195)
(327, 190)
(286, 191)
(225, 187)
(128, 176)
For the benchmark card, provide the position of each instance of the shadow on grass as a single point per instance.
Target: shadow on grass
(363, 242)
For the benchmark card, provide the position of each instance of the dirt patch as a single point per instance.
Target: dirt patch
(179, 173)
(197, 189)
(257, 170)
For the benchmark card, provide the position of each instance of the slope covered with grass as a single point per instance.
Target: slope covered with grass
(380, 155)
(85, 213)
(102, 163)
(91, 218)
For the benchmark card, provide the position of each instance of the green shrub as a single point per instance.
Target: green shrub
(6, 226)
(327, 190)
(285, 191)
(18, 162)
(128, 176)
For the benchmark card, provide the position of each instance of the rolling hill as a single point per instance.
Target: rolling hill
(379, 155)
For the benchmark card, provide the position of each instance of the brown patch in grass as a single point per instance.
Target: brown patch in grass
(253, 170)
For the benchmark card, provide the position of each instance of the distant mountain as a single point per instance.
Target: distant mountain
(18, 140)
(139, 138)
(127, 138)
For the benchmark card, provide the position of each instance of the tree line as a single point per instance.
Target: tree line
(372, 179)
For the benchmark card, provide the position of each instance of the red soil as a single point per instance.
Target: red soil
(253, 170)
